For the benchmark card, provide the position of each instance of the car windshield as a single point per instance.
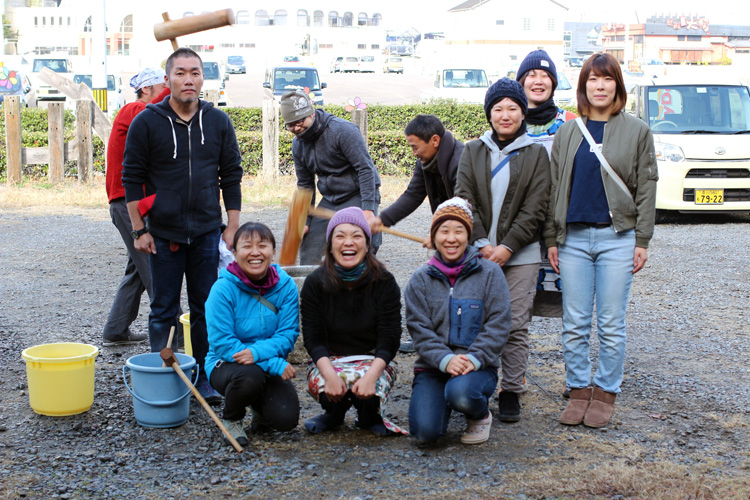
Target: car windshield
(689, 109)
(396, 59)
(86, 79)
(464, 78)
(235, 60)
(367, 59)
(56, 65)
(211, 71)
(291, 79)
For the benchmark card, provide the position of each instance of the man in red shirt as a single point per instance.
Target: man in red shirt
(149, 86)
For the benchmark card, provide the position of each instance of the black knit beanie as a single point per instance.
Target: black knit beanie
(505, 87)
(538, 59)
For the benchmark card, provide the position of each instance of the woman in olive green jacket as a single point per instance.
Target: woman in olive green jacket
(505, 177)
(597, 231)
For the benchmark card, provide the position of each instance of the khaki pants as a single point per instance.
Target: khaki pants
(515, 356)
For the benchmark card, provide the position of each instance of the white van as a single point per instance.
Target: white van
(214, 78)
(702, 137)
(467, 85)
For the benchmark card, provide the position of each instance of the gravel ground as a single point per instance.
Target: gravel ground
(685, 397)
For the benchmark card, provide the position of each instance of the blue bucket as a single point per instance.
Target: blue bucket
(160, 397)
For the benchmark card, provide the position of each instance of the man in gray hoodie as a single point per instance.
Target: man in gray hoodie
(333, 149)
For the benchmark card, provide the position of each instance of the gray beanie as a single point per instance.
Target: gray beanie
(505, 87)
(538, 59)
(295, 105)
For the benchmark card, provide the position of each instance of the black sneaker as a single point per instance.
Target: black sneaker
(509, 409)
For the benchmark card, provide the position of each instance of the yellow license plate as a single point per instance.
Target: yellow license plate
(709, 196)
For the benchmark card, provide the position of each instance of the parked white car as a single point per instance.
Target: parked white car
(463, 85)
(214, 78)
(367, 64)
(702, 140)
(350, 64)
(114, 91)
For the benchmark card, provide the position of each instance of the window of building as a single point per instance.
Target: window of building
(227, 45)
(550, 25)
(375, 46)
(638, 39)
(362, 46)
(69, 21)
(325, 46)
(362, 19)
(693, 38)
(243, 17)
(126, 26)
(333, 18)
(620, 38)
(247, 45)
(526, 24)
(348, 18)
(86, 25)
(52, 20)
(500, 22)
(44, 22)
(36, 21)
(318, 18)
(377, 19)
(279, 18)
(261, 18)
(302, 18)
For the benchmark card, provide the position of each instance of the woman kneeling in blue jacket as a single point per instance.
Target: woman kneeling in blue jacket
(458, 313)
(252, 314)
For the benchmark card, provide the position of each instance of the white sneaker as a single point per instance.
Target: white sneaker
(477, 431)
(237, 431)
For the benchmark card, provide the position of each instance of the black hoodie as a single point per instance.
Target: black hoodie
(184, 164)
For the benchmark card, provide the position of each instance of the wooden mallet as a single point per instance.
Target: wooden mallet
(171, 29)
(299, 209)
(167, 355)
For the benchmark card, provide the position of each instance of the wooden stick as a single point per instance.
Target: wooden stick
(325, 213)
(295, 226)
(165, 16)
(169, 343)
(168, 356)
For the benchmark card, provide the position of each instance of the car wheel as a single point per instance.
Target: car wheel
(662, 216)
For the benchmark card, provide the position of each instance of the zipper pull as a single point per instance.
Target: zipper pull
(451, 293)
(459, 311)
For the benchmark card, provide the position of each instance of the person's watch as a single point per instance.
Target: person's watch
(139, 233)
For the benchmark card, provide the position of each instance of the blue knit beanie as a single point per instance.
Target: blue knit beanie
(349, 215)
(505, 87)
(538, 59)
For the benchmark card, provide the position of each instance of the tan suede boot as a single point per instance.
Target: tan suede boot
(577, 406)
(601, 408)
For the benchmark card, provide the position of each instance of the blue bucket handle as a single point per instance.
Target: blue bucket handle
(196, 368)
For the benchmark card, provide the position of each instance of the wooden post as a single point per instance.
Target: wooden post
(56, 144)
(212, 96)
(84, 115)
(13, 138)
(270, 137)
(359, 117)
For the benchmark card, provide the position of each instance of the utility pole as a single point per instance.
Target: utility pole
(99, 54)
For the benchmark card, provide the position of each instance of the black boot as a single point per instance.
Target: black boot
(509, 409)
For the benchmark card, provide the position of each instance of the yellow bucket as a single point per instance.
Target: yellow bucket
(60, 377)
(185, 320)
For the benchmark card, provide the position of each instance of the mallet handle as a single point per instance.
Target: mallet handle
(203, 403)
(325, 213)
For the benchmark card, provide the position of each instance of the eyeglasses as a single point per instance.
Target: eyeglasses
(291, 125)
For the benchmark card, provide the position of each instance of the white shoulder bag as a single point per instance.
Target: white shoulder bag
(602, 159)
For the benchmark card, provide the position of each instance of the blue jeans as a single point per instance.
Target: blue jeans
(596, 266)
(436, 394)
(198, 262)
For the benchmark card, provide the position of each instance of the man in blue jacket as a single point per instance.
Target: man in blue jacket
(332, 149)
(178, 155)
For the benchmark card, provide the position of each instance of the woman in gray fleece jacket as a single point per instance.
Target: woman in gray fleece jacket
(458, 313)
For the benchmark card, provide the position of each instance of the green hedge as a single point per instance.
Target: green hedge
(387, 146)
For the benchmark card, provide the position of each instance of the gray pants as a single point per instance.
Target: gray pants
(135, 281)
(314, 242)
(515, 356)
